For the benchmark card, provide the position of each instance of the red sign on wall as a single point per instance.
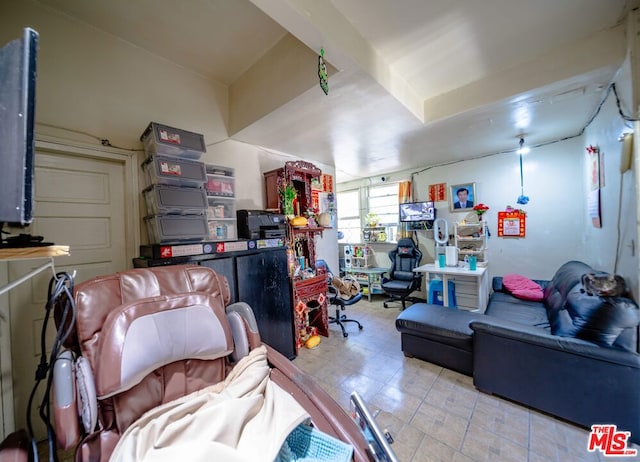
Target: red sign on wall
(511, 224)
(438, 192)
(327, 182)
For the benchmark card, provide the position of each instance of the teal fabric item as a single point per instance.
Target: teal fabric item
(308, 444)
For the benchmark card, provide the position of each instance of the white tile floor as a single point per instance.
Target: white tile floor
(433, 413)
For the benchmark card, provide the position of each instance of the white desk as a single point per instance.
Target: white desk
(478, 279)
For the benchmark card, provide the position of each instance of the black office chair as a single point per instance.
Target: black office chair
(336, 299)
(402, 280)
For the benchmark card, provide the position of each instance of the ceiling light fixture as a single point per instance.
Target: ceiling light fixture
(522, 199)
(523, 149)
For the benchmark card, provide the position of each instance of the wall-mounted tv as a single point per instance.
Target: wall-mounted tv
(417, 211)
(17, 107)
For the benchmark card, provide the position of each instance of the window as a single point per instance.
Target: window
(382, 200)
(349, 215)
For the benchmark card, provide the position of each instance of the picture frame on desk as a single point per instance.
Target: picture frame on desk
(459, 201)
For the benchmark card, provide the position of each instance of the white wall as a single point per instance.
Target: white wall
(612, 248)
(556, 180)
(94, 86)
(92, 82)
(250, 162)
(555, 214)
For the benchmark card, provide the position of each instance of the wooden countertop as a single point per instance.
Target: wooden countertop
(24, 253)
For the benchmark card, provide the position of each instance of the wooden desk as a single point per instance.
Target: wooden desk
(472, 287)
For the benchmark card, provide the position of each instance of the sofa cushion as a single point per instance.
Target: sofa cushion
(597, 319)
(522, 287)
(505, 306)
(498, 286)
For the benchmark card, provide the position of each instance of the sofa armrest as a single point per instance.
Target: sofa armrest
(536, 336)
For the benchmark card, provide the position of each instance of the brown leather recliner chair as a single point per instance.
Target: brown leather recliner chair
(126, 338)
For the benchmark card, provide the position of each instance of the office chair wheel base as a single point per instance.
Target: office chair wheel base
(385, 305)
(345, 334)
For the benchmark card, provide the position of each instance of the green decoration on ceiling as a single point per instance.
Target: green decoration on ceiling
(322, 73)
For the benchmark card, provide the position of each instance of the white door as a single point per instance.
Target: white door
(79, 202)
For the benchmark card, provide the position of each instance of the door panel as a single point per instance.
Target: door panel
(79, 202)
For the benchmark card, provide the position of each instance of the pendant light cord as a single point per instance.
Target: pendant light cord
(522, 199)
(521, 174)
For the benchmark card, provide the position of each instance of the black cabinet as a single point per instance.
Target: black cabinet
(263, 283)
(226, 267)
(258, 277)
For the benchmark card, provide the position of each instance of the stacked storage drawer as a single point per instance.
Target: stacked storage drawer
(175, 196)
(221, 212)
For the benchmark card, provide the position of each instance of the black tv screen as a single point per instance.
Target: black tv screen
(17, 118)
(417, 211)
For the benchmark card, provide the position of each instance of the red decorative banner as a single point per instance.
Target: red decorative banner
(512, 224)
(327, 182)
(438, 192)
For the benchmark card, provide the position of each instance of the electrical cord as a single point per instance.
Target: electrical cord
(60, 288)
(611, 88)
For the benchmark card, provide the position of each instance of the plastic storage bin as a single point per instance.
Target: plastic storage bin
(222, 230)
(220, 186)
(165, 199)
(162, 139)
(176, 228)
(219, 207)
(220, 181)
(174, 171)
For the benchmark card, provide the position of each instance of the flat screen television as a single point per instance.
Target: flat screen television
(17, 118)
(417, 211)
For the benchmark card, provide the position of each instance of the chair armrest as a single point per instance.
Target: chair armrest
(16, 447)
(326, 413)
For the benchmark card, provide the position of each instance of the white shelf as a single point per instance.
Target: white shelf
(470, 244)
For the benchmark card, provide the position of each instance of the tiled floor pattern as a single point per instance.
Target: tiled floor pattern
(433, 414)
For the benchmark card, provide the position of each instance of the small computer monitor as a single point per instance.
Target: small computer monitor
(417, 211)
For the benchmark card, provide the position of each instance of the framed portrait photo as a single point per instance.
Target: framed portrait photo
(462, 197)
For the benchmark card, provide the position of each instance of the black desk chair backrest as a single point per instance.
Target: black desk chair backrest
(402, 280)
(337, 300)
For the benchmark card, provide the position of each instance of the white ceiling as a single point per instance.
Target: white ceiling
(420, 82)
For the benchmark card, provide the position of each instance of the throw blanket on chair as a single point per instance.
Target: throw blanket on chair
(245, 418)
